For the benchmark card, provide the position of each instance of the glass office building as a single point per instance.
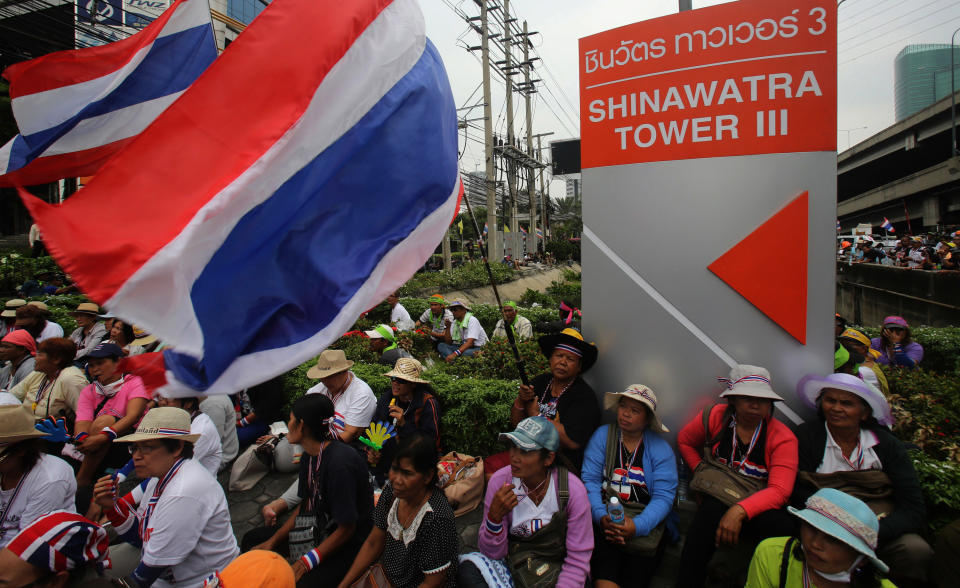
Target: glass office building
(922, 76)
(245, 10)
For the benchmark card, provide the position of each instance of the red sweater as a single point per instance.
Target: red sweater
(780, 454)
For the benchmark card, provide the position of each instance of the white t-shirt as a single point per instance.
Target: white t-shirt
(528, 518)
(474, 331)
(354, 407)
(50, 330)
(400, 317)
(431, 323)
(206, 449)
(833, 459)
(189, 532)
(50, 485)
(219, 408)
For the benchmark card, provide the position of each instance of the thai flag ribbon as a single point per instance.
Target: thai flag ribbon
(75, 109)
(308, 173)
(886, 225)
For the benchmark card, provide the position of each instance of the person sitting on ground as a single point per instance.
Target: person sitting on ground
(437, 317)
(398, 314)
(895, 344)
(8, 318)
(534, 512)
(464, 336)
(520, 325)
(353, 401)
(744, 436)
(835, 547)
(206, 449)
(562, 396)
(259, 406)
(338, 499)
(58, 549)
(383, 342)
(414, 536)
(412, 405)
(32, 483)
(109, 407)
(850, 447)
(220, 409)
(868, 370)
(34, 318)
(17, 349)
(183, 530)
(631, 461)
(121, 335)
(89, 332)
(53, 388)
(839, 325)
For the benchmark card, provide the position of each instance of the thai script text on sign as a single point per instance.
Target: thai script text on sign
(741, 78)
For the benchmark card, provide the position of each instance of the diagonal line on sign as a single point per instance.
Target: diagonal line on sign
(705, 65)
(674, 311)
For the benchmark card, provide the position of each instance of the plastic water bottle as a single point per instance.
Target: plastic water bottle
(683, 482)
(615, 510)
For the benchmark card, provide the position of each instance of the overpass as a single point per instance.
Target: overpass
(906, 169)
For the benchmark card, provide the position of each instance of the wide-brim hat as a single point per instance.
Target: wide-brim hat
(10, 307)
(572, 340)
(16, 424)
(163, 422)
(462, 303)
(408, 369)
(39, 304)
(810, 387)
(749, 380)
(846, 519)
(86, 308)
(642, 394)
(142, 338)
(331, 361)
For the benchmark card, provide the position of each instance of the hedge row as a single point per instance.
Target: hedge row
(468, 275)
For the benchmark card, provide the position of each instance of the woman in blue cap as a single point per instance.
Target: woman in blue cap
(836, 547)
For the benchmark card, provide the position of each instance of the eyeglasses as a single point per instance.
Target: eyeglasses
(144, 449)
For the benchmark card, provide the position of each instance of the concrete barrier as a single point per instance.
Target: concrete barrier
(868, 292)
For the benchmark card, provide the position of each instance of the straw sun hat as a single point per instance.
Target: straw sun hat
(16, 424)
(643, 395)
(407, 369)
(331, 361)
(164, 422)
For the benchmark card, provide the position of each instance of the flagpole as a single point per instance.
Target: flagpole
(496, 294)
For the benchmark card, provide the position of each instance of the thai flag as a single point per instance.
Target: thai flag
(838, 224)
(886, 225)
(486, 228)
(539, 234)
(76, 109)
(262, 229)
(523, 231)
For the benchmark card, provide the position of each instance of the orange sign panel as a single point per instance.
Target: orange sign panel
(743, 78)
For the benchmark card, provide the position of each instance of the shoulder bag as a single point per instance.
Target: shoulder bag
(715, 478)
(646, 545)
(536, 561)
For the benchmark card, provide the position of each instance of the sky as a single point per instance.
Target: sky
(870, 33)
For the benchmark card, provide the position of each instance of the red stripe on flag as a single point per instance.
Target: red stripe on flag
(149, 366)
(235, 111)
(73, 66)
(40, 170)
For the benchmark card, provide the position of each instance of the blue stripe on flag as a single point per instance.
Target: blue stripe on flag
(162, 72)
(315, 241)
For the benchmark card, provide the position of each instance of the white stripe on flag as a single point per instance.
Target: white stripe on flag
(383, 54)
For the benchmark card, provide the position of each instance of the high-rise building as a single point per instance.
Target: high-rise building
(573, 187)
(922, 76)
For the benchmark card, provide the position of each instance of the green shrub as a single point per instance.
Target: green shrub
(474, 411)
(532, 296)
(569, 291)
(15, 269)
(468, 275)
(496, 360)
(926, 407)
(940, 481)
(941, 346)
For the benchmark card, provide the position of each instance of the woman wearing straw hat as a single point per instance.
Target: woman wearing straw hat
(561, 395)
(412, 405)
(536, 527)
(631, 461)
(89, 332)
(758, 453)
(835, 547)
(32, 483)
(895, 345)
(183, 530)
(850, 447)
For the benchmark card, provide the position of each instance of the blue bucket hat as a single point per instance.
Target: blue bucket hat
(844, 518)
(534, 433)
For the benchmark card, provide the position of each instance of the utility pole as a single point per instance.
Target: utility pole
(511, 140)
(491, 174)
(544, 197)
(531, 189)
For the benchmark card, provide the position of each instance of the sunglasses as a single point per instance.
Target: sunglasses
(398, 380)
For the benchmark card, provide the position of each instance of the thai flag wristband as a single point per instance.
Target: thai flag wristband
(80, 436)
(244, 422)
(311, 559)
(495, 528)
(110, 433)
(458, 352)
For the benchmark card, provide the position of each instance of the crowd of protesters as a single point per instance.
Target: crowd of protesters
(930, 251)
(572, 502)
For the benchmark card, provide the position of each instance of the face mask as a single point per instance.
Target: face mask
(839, 576)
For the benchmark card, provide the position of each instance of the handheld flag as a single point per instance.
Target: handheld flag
(523, 231)
(539, 233)
(75, 109)
(886, 225)
(838, 224)
(377, 434)
(486, 229)
(249, 245)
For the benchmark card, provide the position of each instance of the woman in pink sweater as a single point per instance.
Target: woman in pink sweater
(522, 536)
(744, 436)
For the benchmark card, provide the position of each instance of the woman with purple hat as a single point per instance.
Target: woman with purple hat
(850, 447)
(895, 345)
(835, 547)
